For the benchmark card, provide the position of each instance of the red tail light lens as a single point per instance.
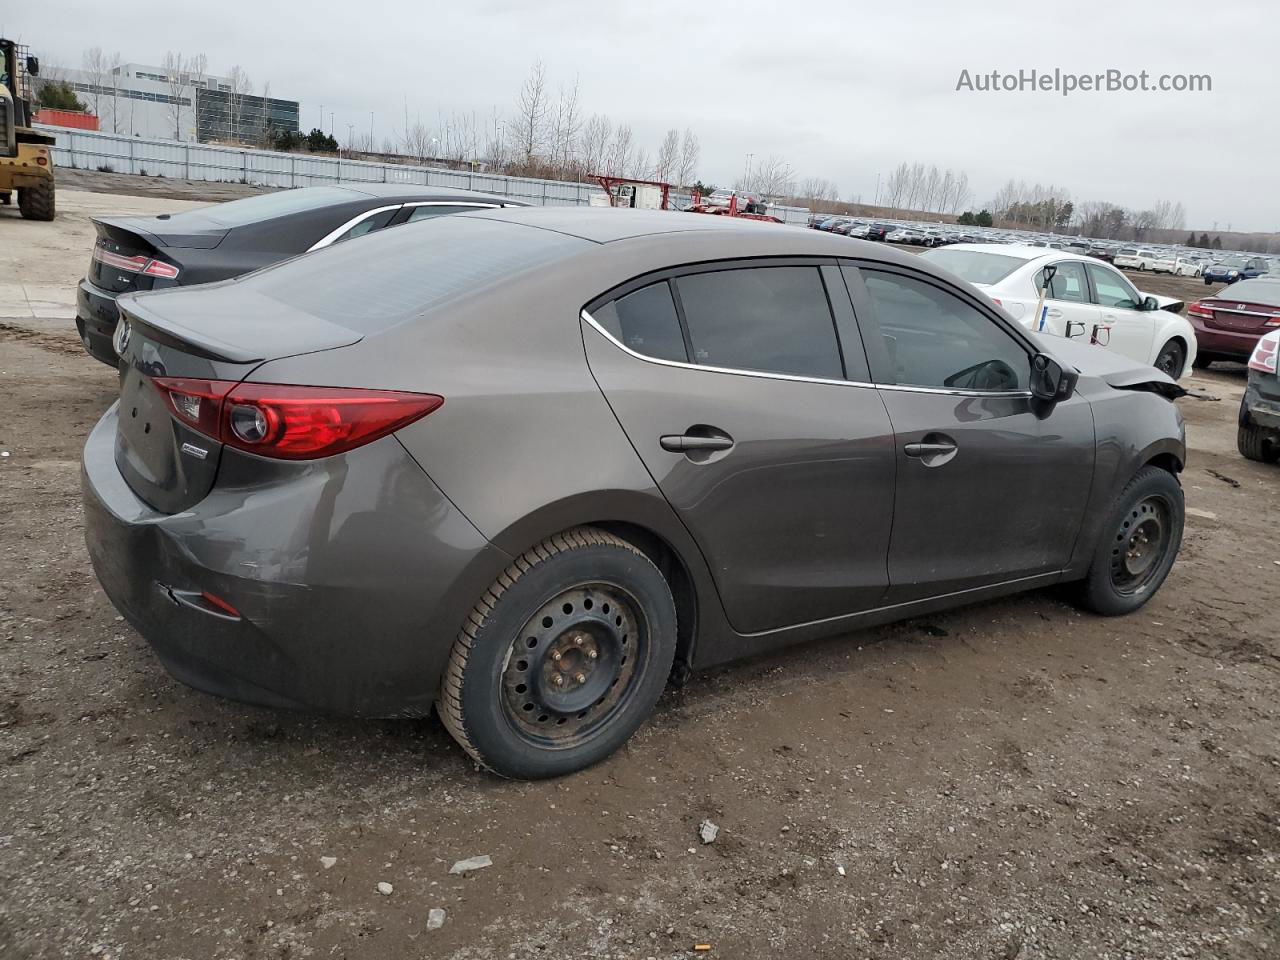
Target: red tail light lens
(1198, 309)
(289, 422)
(1265, 354)
(139, 264)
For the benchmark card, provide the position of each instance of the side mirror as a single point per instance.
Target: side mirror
(1150, 303)
(1049, 381)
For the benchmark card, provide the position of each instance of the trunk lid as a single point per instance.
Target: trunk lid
(201, 334)
(1240, 316)
(126, 244)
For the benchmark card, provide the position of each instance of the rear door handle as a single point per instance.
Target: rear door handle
(1055, 313)
(928, 449)
(683, 443)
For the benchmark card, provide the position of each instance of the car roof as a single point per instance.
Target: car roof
(608, 225)
(413, 191)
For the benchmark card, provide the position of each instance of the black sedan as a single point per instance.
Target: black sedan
(1259, 430)
(227, 240)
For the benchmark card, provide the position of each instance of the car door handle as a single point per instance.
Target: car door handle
(928, 449)
(684, 442)
(1055, 313)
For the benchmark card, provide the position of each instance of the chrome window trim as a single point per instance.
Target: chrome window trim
(333, 235)
(452, 203)
(766, 375)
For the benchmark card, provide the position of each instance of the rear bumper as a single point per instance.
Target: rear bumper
(1262, 409)
(1223, 343)
(96, 317)
(352, 577)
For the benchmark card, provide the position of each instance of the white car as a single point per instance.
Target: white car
(1178, 266)
(1135, 258)
(1087, 299)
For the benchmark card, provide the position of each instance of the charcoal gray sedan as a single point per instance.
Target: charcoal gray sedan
(524, 466)
(229, 239)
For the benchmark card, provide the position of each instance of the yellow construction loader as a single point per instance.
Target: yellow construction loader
(26, 155)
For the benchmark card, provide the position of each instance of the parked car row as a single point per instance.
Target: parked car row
(339, 482)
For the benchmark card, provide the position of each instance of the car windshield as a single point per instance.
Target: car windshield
(976, 266)
(237, 213)
(1236, 262)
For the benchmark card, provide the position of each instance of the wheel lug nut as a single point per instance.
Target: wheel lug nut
(592, 654)
(577, 641)
(558, 680)
(555, 655)
(579, 678)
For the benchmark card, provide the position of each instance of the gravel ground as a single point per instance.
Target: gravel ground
(1010, 780)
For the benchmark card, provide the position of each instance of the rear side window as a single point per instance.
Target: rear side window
(773, 319)
(1068, 283)
(369, 224)
(935, 339)
(646, 321)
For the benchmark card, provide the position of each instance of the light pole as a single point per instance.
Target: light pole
(746, 181)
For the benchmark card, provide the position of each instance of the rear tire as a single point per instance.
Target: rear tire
(562, 659)
(6, 198)
(1256, 443)
(1138, 546)
(36, 203)
(1203, 361)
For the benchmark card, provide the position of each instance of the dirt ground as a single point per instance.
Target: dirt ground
(1010, 780)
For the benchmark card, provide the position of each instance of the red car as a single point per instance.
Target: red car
(1229, 324)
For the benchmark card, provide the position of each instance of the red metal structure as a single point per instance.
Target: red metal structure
(754, 208)
(732, 210)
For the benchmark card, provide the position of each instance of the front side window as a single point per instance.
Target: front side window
(427, 211)
(773, 319)
(645, 321)
(1112, 289)
(934, 339)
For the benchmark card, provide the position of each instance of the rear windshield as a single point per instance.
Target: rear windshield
(976, 266)
(237, 213)
(1253, 291)
(386, 277)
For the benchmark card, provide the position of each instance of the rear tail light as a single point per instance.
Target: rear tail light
(1265, 354)
(139, 264)
(1198, 309)
(289, 422)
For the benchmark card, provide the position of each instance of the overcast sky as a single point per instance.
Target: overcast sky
(840, 90)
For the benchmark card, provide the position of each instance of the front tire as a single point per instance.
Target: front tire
(36, 203)
(1138, 546)
(1172, 359)
(562, 659)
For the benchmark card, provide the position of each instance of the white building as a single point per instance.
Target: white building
(139, 100)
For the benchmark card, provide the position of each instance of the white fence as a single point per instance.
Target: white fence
(90, 150)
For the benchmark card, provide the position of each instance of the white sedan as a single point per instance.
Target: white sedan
(1087, 299)
(1178, 266)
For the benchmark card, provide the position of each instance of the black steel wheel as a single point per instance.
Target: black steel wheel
(573, 665)
(1171, 359)
(1138, 546)
(562, 659)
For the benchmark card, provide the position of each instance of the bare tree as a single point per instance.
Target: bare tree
(241, 87)
(772, 178)
(566, 125)
(619, 158)
(961, 193)
(640, 167)
(666, 166)
(175, 76)
(595, 143)
(531, 113)
(113, 76)
(895, 186)
(97, 69)
(197, 74)
(266, 135)
(689, 150)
